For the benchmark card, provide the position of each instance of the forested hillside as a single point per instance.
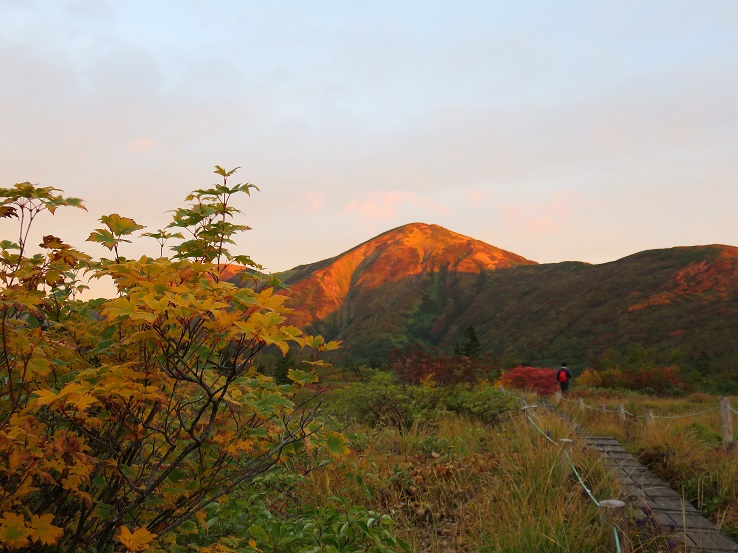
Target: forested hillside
(675, 306)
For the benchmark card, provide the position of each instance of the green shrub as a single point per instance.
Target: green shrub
(484, 402)
(381, 401)
(249, 524)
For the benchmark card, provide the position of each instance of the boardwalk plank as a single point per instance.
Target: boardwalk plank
(665, 506)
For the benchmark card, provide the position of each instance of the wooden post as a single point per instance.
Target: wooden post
(614, 519)
(726, 421)
(563, 468)
(603, 409)
(649, 417)
(527, 410)
(581, 404)
(557, 398)
(621, 413)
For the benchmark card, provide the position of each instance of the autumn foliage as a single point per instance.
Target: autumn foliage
(532, 379)
(121, 419)
(416, 365)
(647, 379)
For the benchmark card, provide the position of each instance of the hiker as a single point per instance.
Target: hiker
(563, 376)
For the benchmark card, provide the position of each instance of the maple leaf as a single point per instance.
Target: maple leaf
(8, 211)
(138, 540)
(42, 530)
(52, 243)
(124, 308)
(104, 237)
(13, 531)
(120, 225)
(46, 397)
(83, 401)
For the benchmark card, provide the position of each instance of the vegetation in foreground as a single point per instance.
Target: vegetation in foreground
(684, 446)
(122, 421)
(140, 423)
(451, 482)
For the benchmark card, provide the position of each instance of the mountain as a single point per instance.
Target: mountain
(422, 283)
(347, 286)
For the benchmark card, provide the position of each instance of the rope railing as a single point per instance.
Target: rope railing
(606, 410)
(726, 418)
(599, 504)
(541, 431)
(686, 416)
(611, 511)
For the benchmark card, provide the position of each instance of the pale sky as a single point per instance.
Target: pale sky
(567, 130)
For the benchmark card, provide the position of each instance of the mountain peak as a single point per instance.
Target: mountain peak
(408, 251)
(439, 247)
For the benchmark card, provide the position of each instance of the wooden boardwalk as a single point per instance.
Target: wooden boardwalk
(661, 506)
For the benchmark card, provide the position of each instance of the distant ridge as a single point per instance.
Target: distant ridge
(424, 284)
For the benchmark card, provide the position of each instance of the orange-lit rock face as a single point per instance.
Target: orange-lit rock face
(409, 250)
(231, 271)
(714, 278)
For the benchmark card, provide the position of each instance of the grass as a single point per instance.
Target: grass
(459, 485)
(453, 484)
(683, 447)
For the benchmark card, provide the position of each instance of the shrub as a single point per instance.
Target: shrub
(483, 402)
(531, 379)
(121, 419)
(252, 523)
(655, 380)
(415, 365)
(383, 401)
(649, 380)
(590, 378)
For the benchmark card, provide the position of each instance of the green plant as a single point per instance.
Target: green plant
(121, 419)
(248, 524)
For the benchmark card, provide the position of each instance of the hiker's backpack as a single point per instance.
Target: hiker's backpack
(562, 375)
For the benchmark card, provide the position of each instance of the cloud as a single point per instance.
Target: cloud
(434, 206)
(383, 120)
(384, 205)
(388, 205)
(315, 200)
(142, 145)
(551, 214)
(475, 197)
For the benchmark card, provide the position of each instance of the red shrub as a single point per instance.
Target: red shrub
(648, 380)
(415, 365)
(655, 380)
(531, 379)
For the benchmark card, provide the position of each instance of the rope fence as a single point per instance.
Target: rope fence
(684, 416)
(726, 418)
(611, 510)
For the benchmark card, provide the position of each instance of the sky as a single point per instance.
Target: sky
(568, 130)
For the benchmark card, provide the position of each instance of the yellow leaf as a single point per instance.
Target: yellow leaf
(202, 518)
(138, 540)
(83, 401)
(71, 388)
(42, 530)
(16, 458)
(120, 225)
(13, 531)
(45, 397)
